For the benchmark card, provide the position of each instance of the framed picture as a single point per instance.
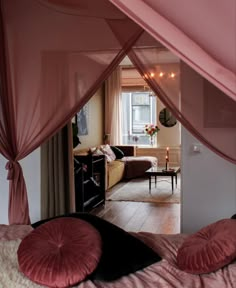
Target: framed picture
(82, 120)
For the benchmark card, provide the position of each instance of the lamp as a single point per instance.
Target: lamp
(160, 75)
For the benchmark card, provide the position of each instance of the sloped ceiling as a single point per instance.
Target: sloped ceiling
(131, 77)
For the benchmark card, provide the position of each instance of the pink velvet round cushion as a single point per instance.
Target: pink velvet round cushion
(211, 248)
(60, 253)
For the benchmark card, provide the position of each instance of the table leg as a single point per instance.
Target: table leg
(176, 179)
(172, 183)
(150, 183)
(155, 181)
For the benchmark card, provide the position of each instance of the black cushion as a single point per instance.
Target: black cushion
(122, 253)
(234, 216)
(119, 153)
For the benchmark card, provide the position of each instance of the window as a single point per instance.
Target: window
(138, 109)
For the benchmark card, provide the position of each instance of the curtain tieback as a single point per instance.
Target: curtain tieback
(10, 166)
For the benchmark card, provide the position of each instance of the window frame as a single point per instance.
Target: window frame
(152, 117)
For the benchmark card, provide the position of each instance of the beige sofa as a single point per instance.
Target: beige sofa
(115, 171)
(128, 167)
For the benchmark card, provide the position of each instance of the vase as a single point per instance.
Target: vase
(151, 141)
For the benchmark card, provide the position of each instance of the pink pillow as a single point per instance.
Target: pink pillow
(60, 253)
(106, 149)
(211, 248)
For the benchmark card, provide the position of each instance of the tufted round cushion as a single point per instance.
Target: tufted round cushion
(60, 253)
(211, 248)
(122, 253)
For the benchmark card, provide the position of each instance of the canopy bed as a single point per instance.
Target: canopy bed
(82, 250)
(54, 55)
(54, 66)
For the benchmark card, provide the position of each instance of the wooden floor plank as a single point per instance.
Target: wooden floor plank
(140, 216)
(154, 222)
(126, 214)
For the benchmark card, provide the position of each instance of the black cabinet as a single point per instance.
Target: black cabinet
(89, 173)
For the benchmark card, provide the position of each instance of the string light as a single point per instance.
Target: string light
(160, 75)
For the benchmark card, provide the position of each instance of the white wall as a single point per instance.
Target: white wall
(208, 181)
(31, 170)
(167, 136)
(208, 186)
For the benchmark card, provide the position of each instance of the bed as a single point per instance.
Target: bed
(162, 274)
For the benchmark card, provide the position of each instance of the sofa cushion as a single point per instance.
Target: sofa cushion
(115, 165)
(135, 166)
(115, 172)
(119, 153)
(106, 149)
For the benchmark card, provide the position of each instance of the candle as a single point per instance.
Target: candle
(166, 161)
(167, 154)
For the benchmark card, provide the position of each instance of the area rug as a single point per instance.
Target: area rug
(137, 190)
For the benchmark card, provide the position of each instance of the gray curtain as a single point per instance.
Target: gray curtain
(57, 185)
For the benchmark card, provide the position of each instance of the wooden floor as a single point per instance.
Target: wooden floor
(140, 216)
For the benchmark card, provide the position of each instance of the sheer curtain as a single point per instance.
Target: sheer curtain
(206, 112)
(48, 71)
(193, 31)
(113, 117)
(50, 68)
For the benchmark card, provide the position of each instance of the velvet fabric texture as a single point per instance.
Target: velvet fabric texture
(122, 253)
(119, 154)
(209, 249)
(60, 253)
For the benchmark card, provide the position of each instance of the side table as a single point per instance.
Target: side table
(160, 171)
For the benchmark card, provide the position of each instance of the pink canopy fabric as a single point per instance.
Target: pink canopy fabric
(202, 33)
(53, 60)
(203, 109)
(56, 53)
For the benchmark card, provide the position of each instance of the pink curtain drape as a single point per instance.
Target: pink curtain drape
(208, 47)
(8, 146)
(206, 112)
(56, 53)
(202, 33)
(52, 62)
